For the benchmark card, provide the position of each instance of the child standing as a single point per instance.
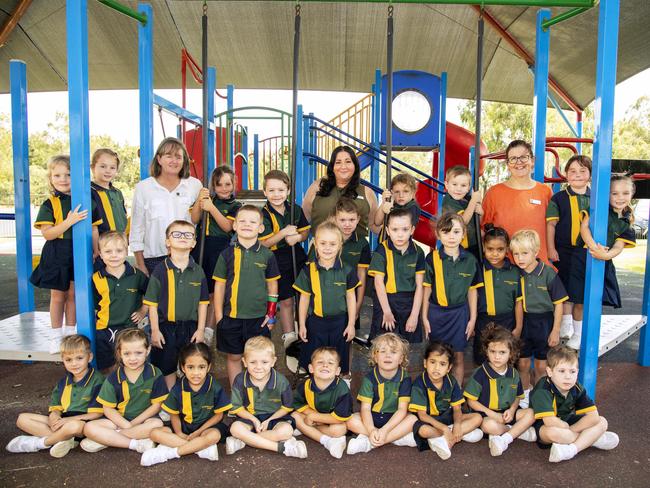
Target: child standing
(104, 165)
(118, 289)
(397, 267)
(245, 290)
(495, 390)
(72, 404)
(458, 183)
(542, 295)
(563, 232)
(400, 196)
(327, 308)
(131, 397)
(449, 313)
(566, 419)
(384, 394)
(499, 298)
(620, 235)
(262, 399)
(55, 271)
(196, 405)
(177, 297)
(436, 399)
(323, 402)
(221, 210)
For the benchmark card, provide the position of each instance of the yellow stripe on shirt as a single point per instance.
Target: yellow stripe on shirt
(57, 211)
(441, 294)
(171, 296)
(489, 292)
(494, 395)
(433, 409)
(103, 314)
(309, 395)
(523, 292)
(108, 210)
(575, 219)
(186, 401)
(234, 293)
(315, 287)
(391, 286)
(66, 396)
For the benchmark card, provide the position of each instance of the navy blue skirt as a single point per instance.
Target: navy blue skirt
(326, 332)
(55, 270)
(576, 288)
(401, 305)
(448, 325)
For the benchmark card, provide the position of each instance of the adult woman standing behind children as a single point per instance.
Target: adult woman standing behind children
(520, 201)
(341, 180)
(165, 196)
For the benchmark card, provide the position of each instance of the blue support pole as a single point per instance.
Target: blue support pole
(644, 339)
(300, 176)
(376, 126)
(245, 166)
(145, 87)
(608, 18)
(256, 162)
(77, 51)
(472, 161)
(20, 146)
(313, 147)
(542, 46)
(230, 104)
(443, 134)
(211, 80)
(579, 132)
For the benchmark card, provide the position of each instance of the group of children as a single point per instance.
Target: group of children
(444, 298)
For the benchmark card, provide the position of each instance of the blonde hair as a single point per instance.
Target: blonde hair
(457, 170)
(73, 343)
(394, 342)
(101, 152)
(129, 335)
(561, 354)
(259, 343)
(178, 223)
(170, 145)
(527, 239)
(112, 236)
(58, 160)
(326, 350)
(625, 179)
(330, 226)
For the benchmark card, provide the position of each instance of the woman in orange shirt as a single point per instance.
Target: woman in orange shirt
(520, 202)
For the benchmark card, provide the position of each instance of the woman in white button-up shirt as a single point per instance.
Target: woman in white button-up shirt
(165, 196)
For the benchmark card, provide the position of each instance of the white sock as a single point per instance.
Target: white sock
(507, 437)
(57, 333)
(41, 443)
(577, 327)
(567, 318)
(574, 449)
(175, 454)
(324, 440)
(132, 444)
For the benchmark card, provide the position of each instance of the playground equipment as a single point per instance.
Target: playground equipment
(452, 148)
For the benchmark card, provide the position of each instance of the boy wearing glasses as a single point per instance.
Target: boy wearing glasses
(177, 297)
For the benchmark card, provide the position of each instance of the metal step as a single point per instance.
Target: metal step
(251, 197)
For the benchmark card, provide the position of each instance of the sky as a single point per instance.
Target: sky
(115, 113)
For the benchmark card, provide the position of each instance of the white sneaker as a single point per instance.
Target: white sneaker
(211, 453)
(296, 433)
(164, 416)
(336, 446)
(440, 447)
(359, 444)
(90, 445)
(160, 454)
(142, 445)
(566, 328)
(474, 436)
(62, 448)
(562, 452)
(294, 448)
(289, 338)
(574, 342)
(528, 435)
(607, 441)
(497, 445)
(407, 441)
(208, 336)
(525, 401)
(24, 443)
(55, 345)
(233, 445)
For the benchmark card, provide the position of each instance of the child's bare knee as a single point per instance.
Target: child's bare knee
(22, 420)
(338, 430)
(212, 435)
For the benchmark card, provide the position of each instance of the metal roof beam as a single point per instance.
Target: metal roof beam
(13, 20)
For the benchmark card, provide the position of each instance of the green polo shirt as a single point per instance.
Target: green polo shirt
(564, 208)
(450, 279)
(335, 399)
(327, 287)
(176, 293)
(275, 221)
(384, 394)
(196, 407)
(110, 203)
(117, 298)
(541, 289)
(55, 209)
(618, 228)
(449, 204)
(355, 252)
(547, 401)
(228, 209)
(415, 216)
(274, 396)
(397, 267)
(499, 290)
(493, 390)
(246, 271)
(425, 397)
(131, 399)
(79, 397)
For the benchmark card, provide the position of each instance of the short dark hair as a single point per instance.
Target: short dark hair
(399, 212)
(520, 143)
(581, 159)
(492, 232)
(178, 223)
(346, 205)
(250, 208)
(328, 350)
(457, 170)
(446, 222)
(194, 349)
(439, 347)
(276, 174)
(404, 179)
(219, 172)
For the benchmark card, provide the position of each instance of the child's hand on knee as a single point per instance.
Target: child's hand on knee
(457, 432)
(263, 426)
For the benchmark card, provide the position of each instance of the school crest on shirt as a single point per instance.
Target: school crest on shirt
(195, 283)
(340, 283)
(261, 265)
(465, 275)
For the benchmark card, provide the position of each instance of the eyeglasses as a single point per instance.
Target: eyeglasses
(177, 234)
(512, 160)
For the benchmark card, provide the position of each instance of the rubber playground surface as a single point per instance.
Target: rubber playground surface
(623, 398)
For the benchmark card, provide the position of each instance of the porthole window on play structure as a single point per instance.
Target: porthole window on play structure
(411, 111)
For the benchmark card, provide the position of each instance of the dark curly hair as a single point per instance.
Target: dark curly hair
(496, 333)
(328, 183)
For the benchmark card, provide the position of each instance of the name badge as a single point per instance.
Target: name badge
(535, 201)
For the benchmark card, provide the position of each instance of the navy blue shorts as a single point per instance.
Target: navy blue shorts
(505, 320)
(232, 334)
(534, 336)
(263, 416)
(576, 288)
(213, 247)
(152, 263)
(326, 331)
(105, 345)
(448, 325)
(176, 335)
(285, 265)
(55, 270)
(446, 418)
(381, 419)
(572, 419)
(564, 265)
(221, 427)
(401, 304)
